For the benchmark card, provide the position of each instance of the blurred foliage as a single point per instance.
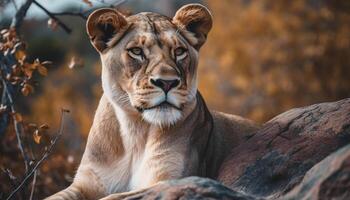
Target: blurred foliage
(265, 57)
(262, 57)
(23, 144)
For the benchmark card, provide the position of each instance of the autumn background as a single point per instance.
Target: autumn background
(261, 58)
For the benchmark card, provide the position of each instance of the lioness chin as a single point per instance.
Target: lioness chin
(151, 123)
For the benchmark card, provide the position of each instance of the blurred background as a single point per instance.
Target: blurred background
(261, 58)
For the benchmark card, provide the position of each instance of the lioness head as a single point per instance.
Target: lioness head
(150, 61)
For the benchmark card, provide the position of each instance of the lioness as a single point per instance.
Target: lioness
(151, 123)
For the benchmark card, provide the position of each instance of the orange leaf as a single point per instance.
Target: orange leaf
(28, 72)
(65, 110)
(42, 70)
(27, 89)
(18, 117)
(32, 125)
(44, 127)
(20, 55)
(37, 137)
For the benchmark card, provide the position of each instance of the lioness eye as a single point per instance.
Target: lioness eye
(136, 52)
(180, 53)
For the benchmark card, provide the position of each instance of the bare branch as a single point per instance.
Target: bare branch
(10, 175)
(59, 22)
(14, 4)
(43, 158)
(111, 5)
(33, 185)
(21, 13)
(77, 14)
(118, 3)
(85, 13)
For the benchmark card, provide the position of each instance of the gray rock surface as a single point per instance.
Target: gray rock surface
(193, 188)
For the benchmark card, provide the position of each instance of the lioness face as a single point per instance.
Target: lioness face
(150, 61)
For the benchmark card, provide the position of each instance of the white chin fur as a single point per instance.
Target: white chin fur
(162, 116)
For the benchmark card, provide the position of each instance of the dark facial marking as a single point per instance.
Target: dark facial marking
(154, 30)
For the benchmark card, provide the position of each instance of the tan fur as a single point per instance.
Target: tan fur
(137, 141)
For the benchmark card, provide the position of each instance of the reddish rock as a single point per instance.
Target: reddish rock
(275, 159)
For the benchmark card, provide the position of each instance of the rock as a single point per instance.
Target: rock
(275, 159)
(187, 188)
(329, 179)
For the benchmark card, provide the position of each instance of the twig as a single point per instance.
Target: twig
(78, 14)
(45, 156)
(118, 3)
(18, 127)
(10, 175)
(33, 185)
(111, 5)
(14, 4)
(59, 22)
(18, 130)
(82, 14)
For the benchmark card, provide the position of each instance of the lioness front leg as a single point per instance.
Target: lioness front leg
(72, 192)
(123, 195)
(86, 186)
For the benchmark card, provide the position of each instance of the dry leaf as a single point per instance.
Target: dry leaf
(65, 110)
(3, 31)
(20, 55)
(3, 108)
(51, 23)
(42, 70)
(16, 70)
(44, 127)
(28, 72)
(37, 137)
(27, 89)
(46, 62)
(32, 125)
(18, 117)
(75, 62)
(88, 2)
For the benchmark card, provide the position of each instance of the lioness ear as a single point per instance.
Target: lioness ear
(195, 18)
(102, 25)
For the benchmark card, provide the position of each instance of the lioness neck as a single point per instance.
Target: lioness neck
(194, 130)
(133, 131)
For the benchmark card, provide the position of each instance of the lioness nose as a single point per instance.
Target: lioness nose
(165, 85)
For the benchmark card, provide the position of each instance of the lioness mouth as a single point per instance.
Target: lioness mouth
(163, 105)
